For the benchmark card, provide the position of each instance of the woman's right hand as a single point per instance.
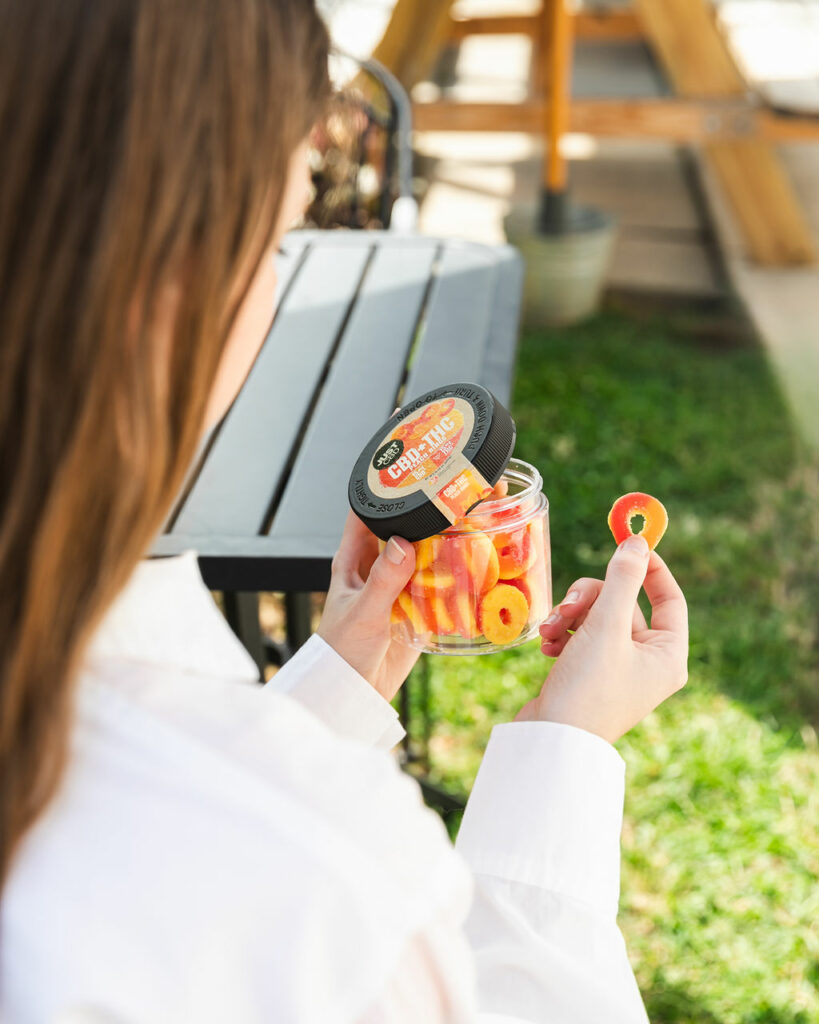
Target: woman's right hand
(613, 670)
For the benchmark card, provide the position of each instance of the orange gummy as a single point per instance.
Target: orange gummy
(503, 614)
(397, 615)
(426, 551)
(516, 553)
(524, 586)
(418, 613)
(444, 622)
(474, 562)
(655, 518)
(429, 579)
(462, 605)
(473, 582)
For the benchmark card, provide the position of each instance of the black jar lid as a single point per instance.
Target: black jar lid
(432, 462)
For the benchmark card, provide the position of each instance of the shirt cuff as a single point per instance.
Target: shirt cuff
(547, 809)
(333, 691)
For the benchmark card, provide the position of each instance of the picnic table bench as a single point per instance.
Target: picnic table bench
(365, 321)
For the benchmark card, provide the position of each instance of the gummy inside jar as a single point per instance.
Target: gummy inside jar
(483, 582)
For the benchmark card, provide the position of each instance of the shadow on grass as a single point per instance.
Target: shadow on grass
(692, 413)
(668, 1004)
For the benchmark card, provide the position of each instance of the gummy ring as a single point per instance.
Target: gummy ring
(503, 613)
(655, 518)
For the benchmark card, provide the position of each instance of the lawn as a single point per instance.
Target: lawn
(720, 901)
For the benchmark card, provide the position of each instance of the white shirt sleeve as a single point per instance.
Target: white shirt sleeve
(541, 832)
(320, 679)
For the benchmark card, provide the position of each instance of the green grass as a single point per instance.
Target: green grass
(720, 901)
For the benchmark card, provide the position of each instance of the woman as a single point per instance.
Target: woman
(177, 843)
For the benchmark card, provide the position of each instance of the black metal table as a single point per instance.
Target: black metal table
(365, 322)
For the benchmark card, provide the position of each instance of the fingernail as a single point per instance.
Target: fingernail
(395, 552)
(572, 597)
(554, 617)
(637, 544)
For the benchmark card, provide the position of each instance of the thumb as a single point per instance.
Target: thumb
(388, 577)
(624, 579)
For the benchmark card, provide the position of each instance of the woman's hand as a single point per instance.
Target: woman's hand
(363, 588)
(613, 670)
(356, 619)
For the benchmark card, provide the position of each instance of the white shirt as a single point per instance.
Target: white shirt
(221, 851)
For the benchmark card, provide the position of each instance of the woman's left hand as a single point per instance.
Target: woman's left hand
(356, 619)
(363, 588)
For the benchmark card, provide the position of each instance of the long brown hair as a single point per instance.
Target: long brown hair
(143, 145)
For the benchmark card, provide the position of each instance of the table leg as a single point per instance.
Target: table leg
(242, 614)
(426, 719)
(416, 748)
(439, 799)
(404, 718)
(417, 752)
(299, 624)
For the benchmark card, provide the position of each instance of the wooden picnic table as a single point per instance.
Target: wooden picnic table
(365, 321)
(711, 106)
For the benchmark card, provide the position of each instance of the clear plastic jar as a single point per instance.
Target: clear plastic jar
(484, 584)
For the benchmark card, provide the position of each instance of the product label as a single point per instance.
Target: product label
(425, 452)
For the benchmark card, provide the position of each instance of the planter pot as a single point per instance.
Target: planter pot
(565, 273)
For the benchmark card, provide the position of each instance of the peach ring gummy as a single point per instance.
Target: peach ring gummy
(503, 614)
(471, 584)
(481, 584)
(655, 518)
(516, 552)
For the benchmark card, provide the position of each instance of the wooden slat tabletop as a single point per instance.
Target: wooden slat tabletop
(365, 322)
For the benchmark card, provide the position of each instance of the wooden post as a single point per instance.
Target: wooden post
(761, 194)
(557, 111)
(413, 39)
(699, 64)
(690, 47)
(541, 54)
